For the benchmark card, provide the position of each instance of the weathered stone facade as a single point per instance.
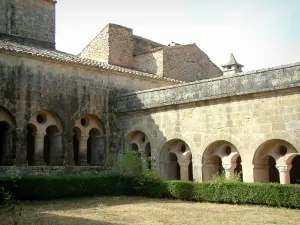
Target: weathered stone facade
(61, 113)
(253, 114)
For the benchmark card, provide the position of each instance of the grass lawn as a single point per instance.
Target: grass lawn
(139, 210)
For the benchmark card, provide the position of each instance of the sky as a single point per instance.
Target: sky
(260, 33)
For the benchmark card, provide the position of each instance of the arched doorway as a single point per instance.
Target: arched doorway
(220, 157)
(7, 138)
(270, 156)
(175, 161)
(89, 141)
(44, 140)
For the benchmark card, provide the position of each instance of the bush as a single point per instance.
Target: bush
(50, 187)
(148, 184)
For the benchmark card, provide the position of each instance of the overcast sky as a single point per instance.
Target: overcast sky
(260, 33)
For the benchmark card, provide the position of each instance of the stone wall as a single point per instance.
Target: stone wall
(66, 91)
(150, 62)
(98, 49)
(120, 46)
(33, 19)
(282, 77)
(50, 170)
(246, 112)
(113, 45)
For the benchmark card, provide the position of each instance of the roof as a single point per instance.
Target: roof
(7, 45)
(149, 51)
(232, 61)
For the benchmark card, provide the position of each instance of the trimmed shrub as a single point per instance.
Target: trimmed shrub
(43, 187)
(51, 187)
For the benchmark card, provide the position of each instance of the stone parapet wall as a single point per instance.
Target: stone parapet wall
(271, 79)
(51, 170)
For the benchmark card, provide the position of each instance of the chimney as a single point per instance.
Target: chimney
(232, 67)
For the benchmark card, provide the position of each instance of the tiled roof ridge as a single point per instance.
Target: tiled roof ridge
(50, 54)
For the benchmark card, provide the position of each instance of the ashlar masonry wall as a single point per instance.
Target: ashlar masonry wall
(253, 113)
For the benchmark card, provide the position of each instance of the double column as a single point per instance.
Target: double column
(229, 169)
(184, 169)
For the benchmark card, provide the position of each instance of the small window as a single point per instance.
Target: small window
(229, 67)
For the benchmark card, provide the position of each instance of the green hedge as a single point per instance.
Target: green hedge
(43, 187)
(51, 187)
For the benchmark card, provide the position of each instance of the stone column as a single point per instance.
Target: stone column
(229, 169)
(284, 173)
(39, 149)
(55, 149)
(209, 170)
(260, 173)
(82, 151)
(184, 169)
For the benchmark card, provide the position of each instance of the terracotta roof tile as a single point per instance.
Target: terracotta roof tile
(7, 45)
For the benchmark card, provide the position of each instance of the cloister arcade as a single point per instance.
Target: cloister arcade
(44, 138)
(221, 157)
(274, 160)
(88, 141)
(176, 161)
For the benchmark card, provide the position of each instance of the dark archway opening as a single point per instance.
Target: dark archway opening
(295, 171)
(76, 137)
(191, 178)
(50, 143)
(5, 141)
(148, 154)
(174, 168)
(30, 140)
(93, 146)
(238, 169)
(273, 171)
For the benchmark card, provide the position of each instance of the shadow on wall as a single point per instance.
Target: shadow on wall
(143, 135)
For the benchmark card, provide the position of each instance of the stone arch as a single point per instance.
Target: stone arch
(89, 140)
(279, 135)
(44, 139)
(139, 142)
(270, 161)
(220, 156)
(222, 137)
(175, 159)
(7, 137)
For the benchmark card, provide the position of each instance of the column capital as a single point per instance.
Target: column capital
(229, 166)
(184, 163)
(284, 168)
(40, 134)
(83, 138)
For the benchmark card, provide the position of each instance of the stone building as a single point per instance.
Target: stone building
(62, 113)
